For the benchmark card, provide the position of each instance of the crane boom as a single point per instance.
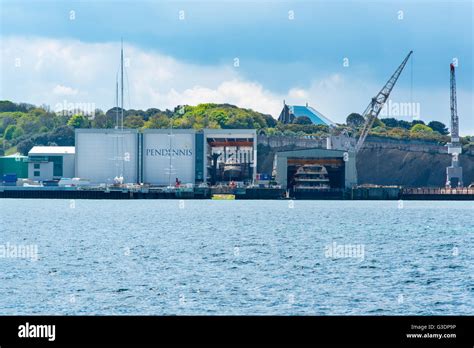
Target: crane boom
(377, 103)
(454, 108)
(454, 172)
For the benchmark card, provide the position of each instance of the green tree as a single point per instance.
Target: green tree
(390, 122)
(25, 146)
(9, 131)
(355, 120)
(420, 128)
(439, 127)
(6, 119)
(17, 133)
(102, 120)
(219, 116)
(302, 120)
(269, 120)
(158, 121)
(78, 121)
(414, 122)
(404, 124)
(134, 121)
(378, 123)
(62, 136)
(181, 123)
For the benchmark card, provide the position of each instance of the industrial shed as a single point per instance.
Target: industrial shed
(160, 157)
(14, 164)
(340, 165)
(229, 155)
(167, 155)
(105, 154)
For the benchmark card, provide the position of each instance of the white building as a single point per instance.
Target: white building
(169, 155)
(51, 162)
(105, 154)
(162, 156)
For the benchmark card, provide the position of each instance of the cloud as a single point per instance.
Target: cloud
(64, 90)
(53, 71)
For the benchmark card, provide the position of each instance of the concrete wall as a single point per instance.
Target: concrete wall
(282, 141)
(45, 169)
(69, 166)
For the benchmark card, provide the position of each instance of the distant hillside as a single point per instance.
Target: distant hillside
(23, 126)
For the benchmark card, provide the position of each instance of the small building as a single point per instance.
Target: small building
(51, 162)
(339, 166)
(14, 164)
(290, 112)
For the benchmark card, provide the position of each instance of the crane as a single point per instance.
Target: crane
(454, 172)
(377, 103)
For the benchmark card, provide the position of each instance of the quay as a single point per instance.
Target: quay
(356, 193)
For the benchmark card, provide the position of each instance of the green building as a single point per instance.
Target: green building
(14, 164)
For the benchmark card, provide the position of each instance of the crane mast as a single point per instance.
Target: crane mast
(454, 172)
(377, 103)
(454, 109)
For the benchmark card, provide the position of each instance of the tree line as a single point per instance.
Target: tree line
(23, 126)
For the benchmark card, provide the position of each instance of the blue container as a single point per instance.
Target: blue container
(10, 177)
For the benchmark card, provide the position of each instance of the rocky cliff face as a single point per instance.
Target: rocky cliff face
(417, 167)
(382, 161)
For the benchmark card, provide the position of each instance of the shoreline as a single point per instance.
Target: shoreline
(358, 193)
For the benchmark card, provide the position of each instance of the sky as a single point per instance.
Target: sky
(334, 55)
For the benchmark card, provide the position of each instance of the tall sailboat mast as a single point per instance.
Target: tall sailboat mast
(121, 81)
(116, 103)
(122, 154)
(116, 140)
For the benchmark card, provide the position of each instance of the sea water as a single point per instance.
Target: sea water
(167, 257)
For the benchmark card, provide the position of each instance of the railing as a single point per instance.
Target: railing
(227, 190)
(439, 191)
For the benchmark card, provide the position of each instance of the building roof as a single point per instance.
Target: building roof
(311, 152)
(52, 150)
(314, 115)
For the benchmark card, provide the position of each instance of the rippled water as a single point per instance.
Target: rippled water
(237, 257)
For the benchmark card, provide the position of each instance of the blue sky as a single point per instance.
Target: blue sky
(298, 60)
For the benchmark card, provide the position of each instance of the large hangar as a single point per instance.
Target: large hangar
(168, 155)
(102, 155)
(230, 155)
(163, 157)
(314, 169)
